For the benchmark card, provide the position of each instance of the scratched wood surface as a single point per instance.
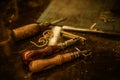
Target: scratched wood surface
(104, 62)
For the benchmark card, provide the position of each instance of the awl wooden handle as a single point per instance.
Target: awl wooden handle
(42, 64)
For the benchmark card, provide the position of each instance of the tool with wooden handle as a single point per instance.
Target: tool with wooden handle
(30, 55)
(42, 64)
(32, 29)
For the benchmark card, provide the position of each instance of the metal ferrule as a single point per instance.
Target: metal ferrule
(75, 54)
(67, 43)
(79, 53)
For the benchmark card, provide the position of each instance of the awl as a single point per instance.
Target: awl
(32, 29)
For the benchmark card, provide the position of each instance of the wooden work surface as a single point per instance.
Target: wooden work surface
(104, 62)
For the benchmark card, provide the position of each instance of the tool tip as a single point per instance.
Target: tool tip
(59, 20)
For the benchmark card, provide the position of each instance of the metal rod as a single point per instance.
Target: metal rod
(72, 28)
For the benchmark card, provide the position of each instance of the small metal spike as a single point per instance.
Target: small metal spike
(59, 20)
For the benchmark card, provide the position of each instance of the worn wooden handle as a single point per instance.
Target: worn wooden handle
(42, 64)
(28, 30)
(30, 55)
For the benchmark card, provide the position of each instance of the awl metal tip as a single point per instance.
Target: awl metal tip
(59, 20)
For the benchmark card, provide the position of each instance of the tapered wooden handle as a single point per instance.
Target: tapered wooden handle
(30, 55)
(27, 30)
(42, 64)
(39, 65)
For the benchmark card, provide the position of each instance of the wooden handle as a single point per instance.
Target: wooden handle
(31, 55)
(28, 30)
(25, 31)
(42, 64)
